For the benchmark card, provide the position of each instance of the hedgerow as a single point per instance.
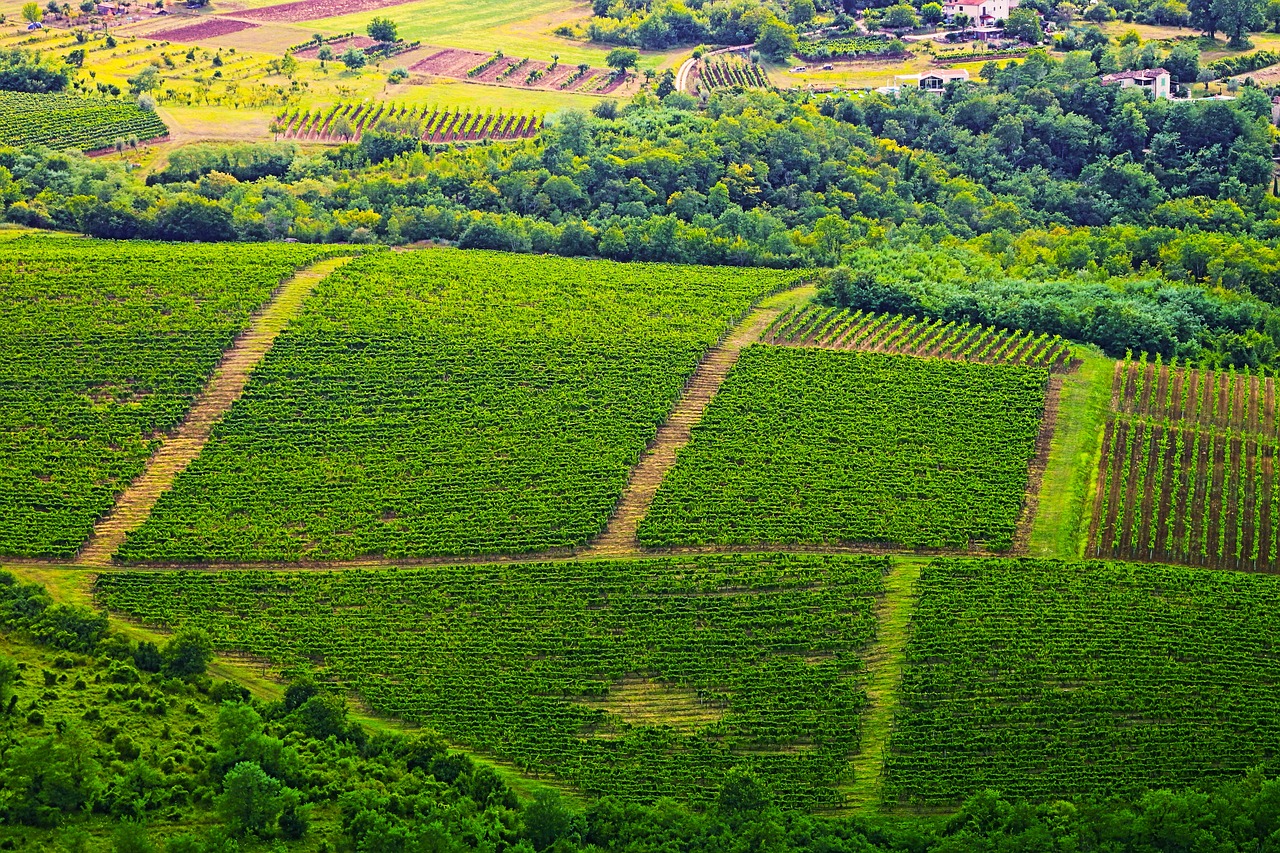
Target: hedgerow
(815, 446)
(448, 402)
(103, 347)
(637, 679)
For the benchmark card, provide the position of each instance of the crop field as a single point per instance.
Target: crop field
(637, 679)
(448, 402)
(432, 124)
(517, 71)
(726, 73)
(836, 328)
(1188, 468)
(1046, 679)
(65, 121)
(103, 347)
(813, 446)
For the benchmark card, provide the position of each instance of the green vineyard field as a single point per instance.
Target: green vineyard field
(1047, 679)
(815, 446)
(637, 679)
(65, 121)
(448, 402)
(836, 328)
(103, 347)
(1188, 469)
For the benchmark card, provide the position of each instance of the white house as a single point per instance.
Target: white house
(1155, 81)
(929, 81)
(982, 13)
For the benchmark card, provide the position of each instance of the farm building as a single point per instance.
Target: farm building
(984, 13)
(1156, 81)
(930, 81)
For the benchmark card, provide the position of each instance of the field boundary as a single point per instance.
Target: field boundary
(619, 536)
(224, 387)
(1039, 464)
(885, 660)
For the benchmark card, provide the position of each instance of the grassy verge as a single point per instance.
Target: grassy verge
(1066, 491)
(885, 661)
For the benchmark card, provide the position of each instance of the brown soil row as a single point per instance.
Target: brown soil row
(1207, 503)
(1210, 398)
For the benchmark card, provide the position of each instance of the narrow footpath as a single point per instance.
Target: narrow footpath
(619, 536)
(885, 659)
(225, 387)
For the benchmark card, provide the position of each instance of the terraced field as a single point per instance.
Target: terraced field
(448, 403)
(103, 347)
(1188, 468)
(812, 446)
(66, 121)
(1048, 679)
(637, 679)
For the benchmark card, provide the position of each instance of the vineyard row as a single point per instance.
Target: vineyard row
(835, 328)
(350, 121)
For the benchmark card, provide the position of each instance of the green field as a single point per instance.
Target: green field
(813, 446)
(637, 679)
(1050, 679)
(447, 402)
(103, 347)
(63, 121)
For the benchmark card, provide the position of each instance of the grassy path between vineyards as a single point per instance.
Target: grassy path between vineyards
(228, 382)
(885, 659)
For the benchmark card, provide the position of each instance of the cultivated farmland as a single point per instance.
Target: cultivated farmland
(432, 124)
(726, 73)
(448, 402)
(103, 347)
(636, 679)
(65, 121)
(835, 328)
(812, 446)
(1188, 468)
(1046, 679)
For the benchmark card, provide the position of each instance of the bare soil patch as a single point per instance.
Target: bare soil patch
(202, 31)
(338, 47)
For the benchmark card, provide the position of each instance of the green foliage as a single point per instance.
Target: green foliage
(466, 402)
(92, 374)
(1118, 313)
(66, 121)
(1024, 25)
(354, 59)
(815, 446)
(777, 40)
(622, 58)
(251, 801)
(1229, 66)
(1047, 679)
(725, 642)
(187, 654)
(21, 71)
(382, 30)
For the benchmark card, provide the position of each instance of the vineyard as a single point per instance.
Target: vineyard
(350, 121)
(726, 73)
(852, 47)
(835, 328)
(103, 347)
(637, 679)
(448, 402)
(64, 121)
(1046, 679)
(814, 446)
(1188, 468)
